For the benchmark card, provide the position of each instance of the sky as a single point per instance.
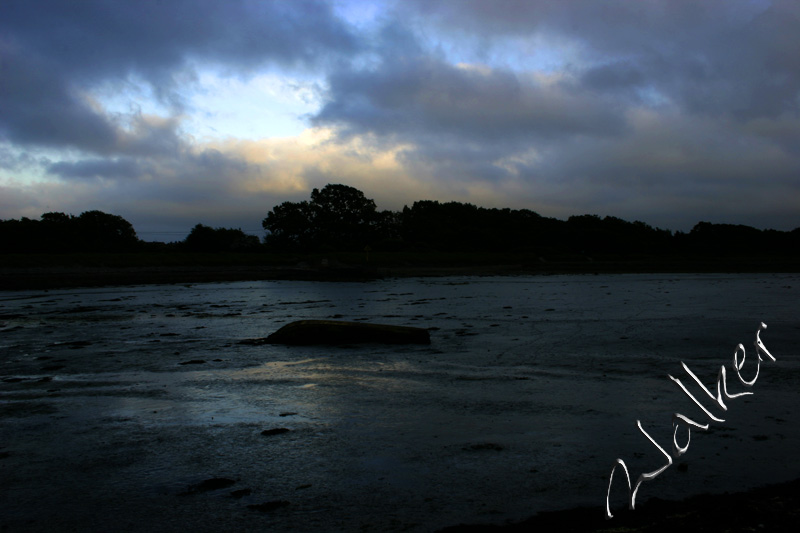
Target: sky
(174, 113)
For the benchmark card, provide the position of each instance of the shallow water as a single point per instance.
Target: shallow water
(530, 390)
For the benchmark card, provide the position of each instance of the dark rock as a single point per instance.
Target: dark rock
(275, 431)
(241, 493)
(307, 332)
(193, 362)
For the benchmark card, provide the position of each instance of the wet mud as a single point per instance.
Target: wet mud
(151, 408)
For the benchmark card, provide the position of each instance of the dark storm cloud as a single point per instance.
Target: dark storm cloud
(51, 51)
(614, 77)
(39, 107)
(110, 38)
(675, 108)
(678, 108)
(423, 96)
(715, 56)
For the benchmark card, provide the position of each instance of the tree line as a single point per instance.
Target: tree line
(92, 231)
(339, 218)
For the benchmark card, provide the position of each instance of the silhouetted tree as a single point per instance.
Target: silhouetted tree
(343, 217)
(290, 226)
(92, 231)
(58, 232)
(389, 231)
(20, 236)
(455, 226)
(337, 217)
(441, 226)
(207, 239)
(723, 239)
(590, 234)
(98, 231)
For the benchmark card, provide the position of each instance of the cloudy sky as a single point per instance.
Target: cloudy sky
(173, 113)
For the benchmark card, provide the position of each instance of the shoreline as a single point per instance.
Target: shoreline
(62, 277)
(767, 508)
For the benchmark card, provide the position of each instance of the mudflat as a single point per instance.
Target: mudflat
(141, 408)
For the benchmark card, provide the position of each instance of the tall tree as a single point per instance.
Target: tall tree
(338, 217)
(290, 226)
(343, 217)
(98, 231)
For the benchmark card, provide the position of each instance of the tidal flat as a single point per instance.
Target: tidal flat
(150, 408)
